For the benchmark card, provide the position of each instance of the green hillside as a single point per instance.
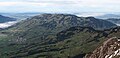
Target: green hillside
(75, 41)
(54, 36)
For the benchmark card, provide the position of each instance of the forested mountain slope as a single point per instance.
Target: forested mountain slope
(55, 36)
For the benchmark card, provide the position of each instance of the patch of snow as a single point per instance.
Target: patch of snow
(106, 56)
(118, 52)
(111, 56)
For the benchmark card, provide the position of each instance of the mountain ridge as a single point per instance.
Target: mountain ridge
(4, 19)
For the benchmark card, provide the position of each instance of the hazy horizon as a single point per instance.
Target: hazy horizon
(60, 6)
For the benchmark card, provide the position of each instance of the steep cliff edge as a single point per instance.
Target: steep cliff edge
(109, 49)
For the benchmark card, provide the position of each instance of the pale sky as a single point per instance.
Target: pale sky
(60, 6)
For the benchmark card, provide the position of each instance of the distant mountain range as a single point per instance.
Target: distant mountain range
(20, 16)
(4, 19)
(106, 16)
(114, 20)
(51, 21)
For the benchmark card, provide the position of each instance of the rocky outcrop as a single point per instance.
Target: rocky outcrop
(109, 49)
